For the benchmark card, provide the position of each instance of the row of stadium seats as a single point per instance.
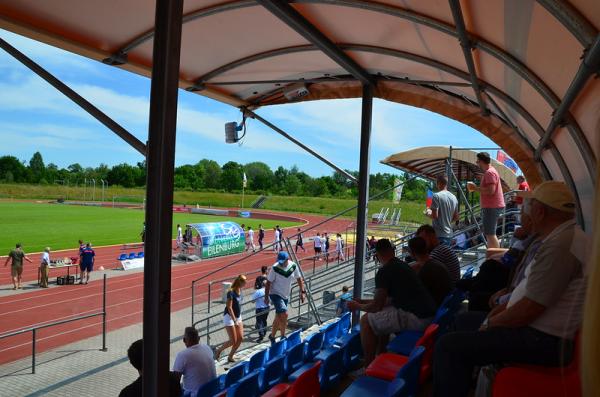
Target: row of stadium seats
(132, 255)
(317, 363)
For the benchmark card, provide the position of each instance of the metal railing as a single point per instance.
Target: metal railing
(35, 328)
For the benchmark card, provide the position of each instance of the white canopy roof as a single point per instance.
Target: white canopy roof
(430, 162)
(517, 64)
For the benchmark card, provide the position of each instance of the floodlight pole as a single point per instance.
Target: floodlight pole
(363, 192)
(160, 162)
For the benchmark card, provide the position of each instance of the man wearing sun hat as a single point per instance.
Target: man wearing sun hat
(279, 284)
(538, 323)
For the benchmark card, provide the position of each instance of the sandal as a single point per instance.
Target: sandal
(230, 360)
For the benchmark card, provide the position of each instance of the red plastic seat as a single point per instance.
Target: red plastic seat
(531, 380)
(307, 385)
(386, 365)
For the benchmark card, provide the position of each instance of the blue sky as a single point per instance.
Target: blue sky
(35, 117)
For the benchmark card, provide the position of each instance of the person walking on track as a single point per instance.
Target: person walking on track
(339, 247)
(87, 263)
(250, 239)
(261, 236)
(16, 267)
(300, 241)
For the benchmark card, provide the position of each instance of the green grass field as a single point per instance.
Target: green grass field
(411, 211)
(61, 226)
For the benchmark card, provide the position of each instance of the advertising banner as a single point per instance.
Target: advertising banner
(220, 238)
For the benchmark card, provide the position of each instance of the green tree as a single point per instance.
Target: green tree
(212, 173)
(292, 186)
(36, 167)
(231, 178)
(259, 175)
(124, 175)
(12, 170)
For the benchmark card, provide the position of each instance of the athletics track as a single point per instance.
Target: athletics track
(123, 300)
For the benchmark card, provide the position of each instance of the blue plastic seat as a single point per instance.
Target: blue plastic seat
(405, 341)
(330, 333)
(140, 254)
(344, 324)
(209, 389)
(313, 346)
(257, 361)
(272, 374)
(233, 375)
(294, 358)
(293, 339)
(122, 257)
(332, 369)
(131, 255)
(468, 274)
(353, 352)
(277, 349)
(367, 386)
(245, 387)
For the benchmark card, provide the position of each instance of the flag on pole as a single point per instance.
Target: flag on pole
(507, 161)
(398, 190)
(244, 181)
(429, 199)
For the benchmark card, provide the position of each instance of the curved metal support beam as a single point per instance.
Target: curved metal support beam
(120, 56)
(200, 81)
(572, 19)
(566, 14)
(467, 47)
(589, 66)
(296, 21)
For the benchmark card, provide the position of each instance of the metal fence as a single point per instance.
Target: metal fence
(35, 328)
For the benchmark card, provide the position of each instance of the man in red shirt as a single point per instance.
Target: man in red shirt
(492, 198)
(524, 186)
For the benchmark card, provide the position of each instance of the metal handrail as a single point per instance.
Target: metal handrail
(34, 328)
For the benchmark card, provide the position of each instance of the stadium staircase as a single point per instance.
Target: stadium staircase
(259, 202)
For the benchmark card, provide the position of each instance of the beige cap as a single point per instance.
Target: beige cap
(554, 194)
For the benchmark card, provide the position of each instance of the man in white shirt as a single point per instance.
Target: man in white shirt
(279, 285)
(318, 244)
(250, 239)
(44, 263)
(179, 236)
(538, 324)
(196, 363)
(276, 242)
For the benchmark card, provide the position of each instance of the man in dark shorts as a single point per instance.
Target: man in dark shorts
(87, 263)
(16, 267)
(412, 306)
(300, 241)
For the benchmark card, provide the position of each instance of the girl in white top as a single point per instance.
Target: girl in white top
(276, 242)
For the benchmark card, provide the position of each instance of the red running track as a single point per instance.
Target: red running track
(124, 298)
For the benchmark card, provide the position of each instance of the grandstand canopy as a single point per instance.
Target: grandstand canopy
(430, 161)
(517, 71)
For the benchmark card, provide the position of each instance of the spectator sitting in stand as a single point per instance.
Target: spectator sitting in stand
(412, 307)
(136, 358)
(440, 252)
(538, 324)
(196, 363)
(432, 273)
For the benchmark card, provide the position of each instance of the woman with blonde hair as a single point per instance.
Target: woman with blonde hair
(232, 318)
